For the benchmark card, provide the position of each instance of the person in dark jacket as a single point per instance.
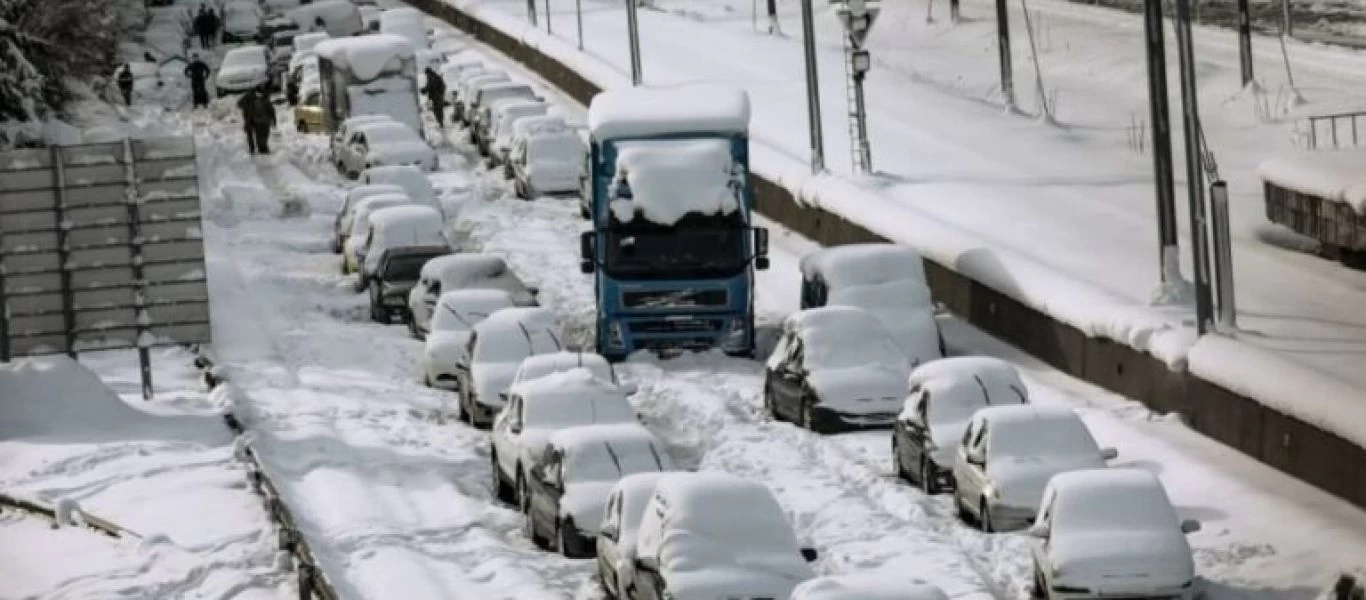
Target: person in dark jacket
(436, 95)
(215, 24)
(201, 27)
(258, 118)
(125, 80)
(198, 72)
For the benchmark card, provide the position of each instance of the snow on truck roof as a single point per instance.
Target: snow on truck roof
(649, 111)
(671, 178)
(365, 56)
(1337, 176)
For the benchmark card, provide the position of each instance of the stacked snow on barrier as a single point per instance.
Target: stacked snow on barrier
(671, 178)
(1338, 176)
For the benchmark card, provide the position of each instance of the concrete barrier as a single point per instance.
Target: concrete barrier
(1302, 450)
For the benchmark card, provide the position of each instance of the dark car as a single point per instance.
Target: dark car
(397, 273)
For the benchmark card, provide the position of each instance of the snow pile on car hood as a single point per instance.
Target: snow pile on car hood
(668, 179)
(366, 56)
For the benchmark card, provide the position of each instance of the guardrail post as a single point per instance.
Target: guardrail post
(1223, 257)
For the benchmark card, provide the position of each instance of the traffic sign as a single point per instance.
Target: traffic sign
(857, 24)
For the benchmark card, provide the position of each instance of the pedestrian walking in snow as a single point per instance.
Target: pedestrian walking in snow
(215, 23)
(258, 118)
(436, 96)
(773, 27)
(201, 27)
(198, 72)
(125, 80)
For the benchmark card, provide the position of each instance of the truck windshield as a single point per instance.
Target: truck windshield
(697, 247)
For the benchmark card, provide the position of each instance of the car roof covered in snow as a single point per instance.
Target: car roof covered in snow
(372, 189)
(969, 368)
(725, 516)
(866, 586)
(669, 179)
(541, 365)
(465, 266)
(1111, 499)
(863, 264)
(370, 204)
(412, 179)
(543, 124)
(579, 383)
(394, 216)
(652, 111)
(486, 300)
(831, 317)
(365, 56)
(305, 42)
(513, 319)
(576, 439)
(245, 55)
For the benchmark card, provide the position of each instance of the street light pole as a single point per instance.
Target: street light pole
(1003, 49)
(578, 18)
(813, 95)
(1169, 264)
(633, 27)
(1190, 121)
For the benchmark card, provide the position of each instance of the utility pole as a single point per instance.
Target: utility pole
(813, 92)
(858, 18)
(1287, 26)
(633, 27)
(1003, 48)
(1169, 263)
(547, 18)
(531, 11)
(1190, 121)
(578, 18)
(1245, 41)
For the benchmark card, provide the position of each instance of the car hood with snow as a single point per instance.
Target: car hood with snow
(585, 502)
(243, 69)
(866, 587)
(1120, 557)
(414, 152)
(447, 347)
(872, 389)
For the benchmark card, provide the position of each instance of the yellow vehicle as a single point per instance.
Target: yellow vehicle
(308, 113)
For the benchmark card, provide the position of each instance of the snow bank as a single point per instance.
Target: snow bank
(55, 399)
(1339, 176)
(650, 111)
(366, 56)
(1286, 387)
(305, 42)
(671, 178)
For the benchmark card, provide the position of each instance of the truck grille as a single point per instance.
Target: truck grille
(676, 326)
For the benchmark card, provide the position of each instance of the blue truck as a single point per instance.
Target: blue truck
(672, 244)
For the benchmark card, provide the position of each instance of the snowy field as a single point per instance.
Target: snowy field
(394, 496)
(1055, 212)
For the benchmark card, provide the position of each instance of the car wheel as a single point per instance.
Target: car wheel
(985, 519)
(962, 509)
(1038, 590)
(927, 479)
(501, 490)
(602, 581)
(897, 466)
(301, 127)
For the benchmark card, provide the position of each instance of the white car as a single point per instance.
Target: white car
(541, 365)
(536, 409)
(470, 83)
(383, 143)
(567, 488)
(341, 228)
(546, 157)
(412, 179)
(616, 544)
(866, 587)
(1111, 533)
(716, 535)
(502, 114)
(498, 346)
(944, 394)
(452, 322)
(885, 279)
(353, 252)
(345, 130)
(462, 270)
(1007, 456)
(835, 368)
(399, 226)
(453, 70)
(243, 69)
(479, 110)
(241, 21)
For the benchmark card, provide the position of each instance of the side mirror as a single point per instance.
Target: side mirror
(1189, 526)
(761, 263)
(1037, 531)
(608, 532)
(760, 241)
(810, 554)
(1108, 453)
(587, 252)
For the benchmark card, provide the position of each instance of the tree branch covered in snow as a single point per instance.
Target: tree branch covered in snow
(45, 44)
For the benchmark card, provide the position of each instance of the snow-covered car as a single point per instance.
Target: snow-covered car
(885, 279)
(469, 83)
(281, 51)
(242, 69)
(567, 487)
(464, 270)
(345, 130)
(541, 365)
(407, 23)
(497, 347)
(453, 319)
(479, 110)
(451, 73)
(545, 157)
(412, 179)
(384, 143)
(341, 227)
(502, 114)
(304, 42)
(308, 112)
(1007, 456)
(944, 394)
(353, 253)
(242, 21)
(716, 535)
(395, 273)
(835, 368)
(302, 69)
(616, 544)
(338, 18)
(866, 587)
(395, 227)
(1111, 533)
(448, 48)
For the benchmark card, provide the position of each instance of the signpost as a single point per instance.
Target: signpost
(858, 18)
(813, 93)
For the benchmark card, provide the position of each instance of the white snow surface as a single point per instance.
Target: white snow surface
(866, 587)
(644, 112)
(366, 56)
(1336, 176)
(669, 179)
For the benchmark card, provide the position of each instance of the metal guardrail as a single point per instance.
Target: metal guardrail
(39, 509)
(313, 582)
(1335, 131)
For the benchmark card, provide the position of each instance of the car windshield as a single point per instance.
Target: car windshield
(514, 345)
(609, 461)
(556, 147)
(464, 316)
(575, 407)
(697, 247)
(405, 268)
(954, 406)
(845, 346)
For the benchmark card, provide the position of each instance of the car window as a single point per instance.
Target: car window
(435, 287)
(981, 435)
(795, 354)
(969, 433)
(611, 517)
(922, 408)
